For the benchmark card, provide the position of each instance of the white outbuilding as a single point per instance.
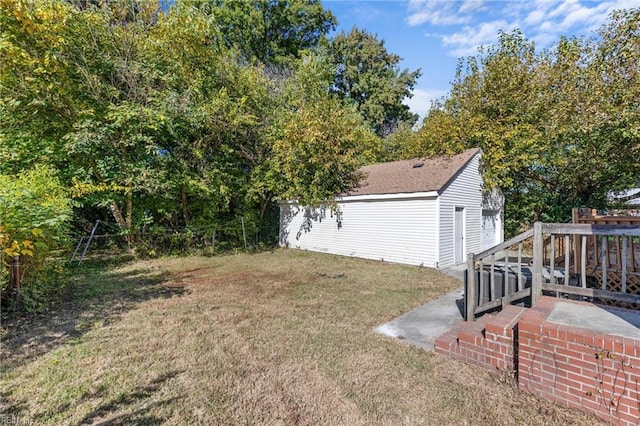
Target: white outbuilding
(429, 212)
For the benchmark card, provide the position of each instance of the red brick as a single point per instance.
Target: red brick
(523, 339)
(630, 419)
(592, 406)
(576, 335)
(505, 340)
(561, 388)
(563, 360)
(570, 400)
(580, 378)
(531, 327)
(632, 347)
(602, 344)
(546, 304)
(569, 367)
(591, 358)
(576, 347)
(618, 345)
(627, 401)
(506, 350)
(552, 331)
(557, 343)
(539, 316)
(575, 386)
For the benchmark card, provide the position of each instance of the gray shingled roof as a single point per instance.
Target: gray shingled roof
(403, 177)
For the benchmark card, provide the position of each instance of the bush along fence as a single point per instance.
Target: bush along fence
(236, 234)
(13, 274)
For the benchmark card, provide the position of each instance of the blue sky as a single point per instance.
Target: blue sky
(433, 34)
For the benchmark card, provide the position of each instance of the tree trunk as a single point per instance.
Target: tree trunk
(117, 215)
(129, 219)
(129, 211)
(185, 206)
(264, 207)
(124, 221)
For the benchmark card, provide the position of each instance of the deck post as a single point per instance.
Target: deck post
(470, 293)
(536, 285)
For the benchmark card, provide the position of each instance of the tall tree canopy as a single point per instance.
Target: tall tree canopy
(369, 77)
(558, 128)
(272, 31)
(157, 118)
(317, 130)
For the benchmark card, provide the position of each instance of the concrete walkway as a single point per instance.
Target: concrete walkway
(424, 324)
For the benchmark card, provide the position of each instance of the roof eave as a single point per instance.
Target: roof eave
(389, 196)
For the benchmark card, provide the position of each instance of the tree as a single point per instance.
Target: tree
(368, 77)
(138, 115)
(154, 120)
(39, 99)
(272, 31)
(317, 144)
(558, 128)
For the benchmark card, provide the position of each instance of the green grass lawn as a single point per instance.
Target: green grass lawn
(272, 338)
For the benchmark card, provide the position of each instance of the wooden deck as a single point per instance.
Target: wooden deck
(598, 262)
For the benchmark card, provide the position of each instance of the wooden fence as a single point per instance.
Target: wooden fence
(600, 262)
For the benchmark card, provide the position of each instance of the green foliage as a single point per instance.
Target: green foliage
(34, 218)
(558, 128)
(271, 31)
(188, 117)
(440, 134)
(368, 77)
(316, 130)
(36, 100)
(34, 205)
(211, 110)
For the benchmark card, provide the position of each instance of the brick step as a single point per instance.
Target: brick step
(465, 331)
(487, 342)
(503, 323)
(473, 331)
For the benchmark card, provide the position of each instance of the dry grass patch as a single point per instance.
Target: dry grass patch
(272, 338)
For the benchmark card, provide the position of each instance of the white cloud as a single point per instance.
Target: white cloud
(545, 39)
(422, 99)
(534, 17)
(471, 6)
(563, 8)
(435, 13)
(477, 22)
(467, 41)
(587, 18)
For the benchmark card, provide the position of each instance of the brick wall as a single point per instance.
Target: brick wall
(578, 368)
(591, 371)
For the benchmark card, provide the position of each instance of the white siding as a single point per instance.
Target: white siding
(465, 190)
(416, 228)
(400, 230)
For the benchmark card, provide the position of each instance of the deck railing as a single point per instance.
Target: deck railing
(487, 272)
(596, 262)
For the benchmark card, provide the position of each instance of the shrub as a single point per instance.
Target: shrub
(34, 216)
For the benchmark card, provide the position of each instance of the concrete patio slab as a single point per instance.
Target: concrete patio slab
(607, 320)
(424, 324)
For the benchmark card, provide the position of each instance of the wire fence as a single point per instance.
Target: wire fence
(156, 240)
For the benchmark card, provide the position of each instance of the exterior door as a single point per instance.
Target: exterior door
(458, 235)
(489, 225)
